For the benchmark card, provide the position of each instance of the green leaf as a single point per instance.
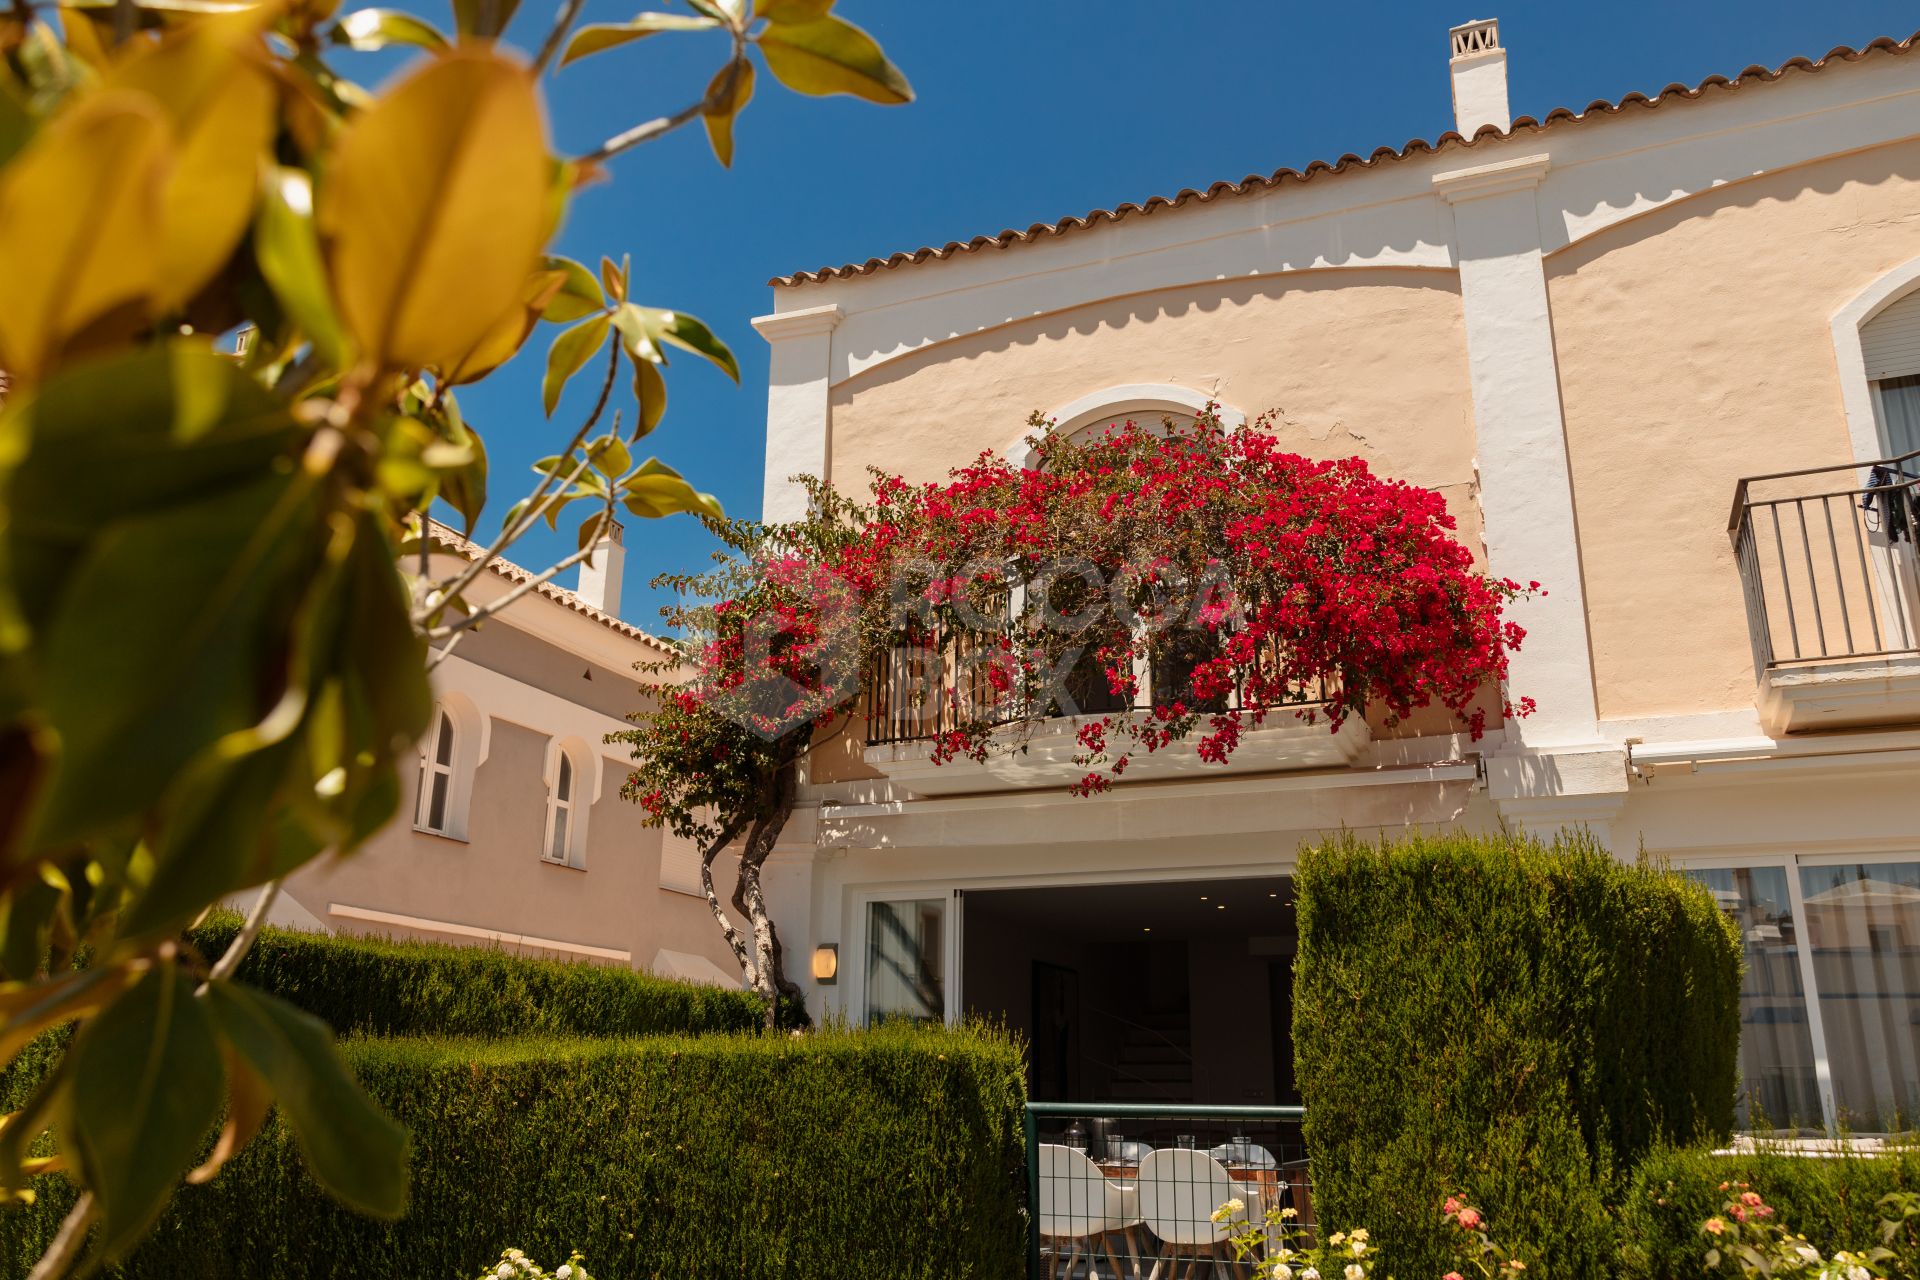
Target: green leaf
(792, 10)
(146, 1090)
(614, 279)
(600, 37)
(830, 55)
(657, 490)
(689, 334)
(569, 353)
(370, 29)
(636, 334)
(579, 293)
(352, 1148)
(16, 122)
(288, 250)
(464, 488)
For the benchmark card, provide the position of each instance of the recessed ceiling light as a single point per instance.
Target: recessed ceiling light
(1146, 928)
(1203, 897)
(1221, 907)
(1273, 895)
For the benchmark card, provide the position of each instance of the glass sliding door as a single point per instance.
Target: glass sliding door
(1779, 1083)
(906, 969)
(1863, 927)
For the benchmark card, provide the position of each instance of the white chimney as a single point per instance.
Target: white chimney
(600, 573)
(1479, 68)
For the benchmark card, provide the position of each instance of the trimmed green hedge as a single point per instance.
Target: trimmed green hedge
(1514, 1022)
(1829, 1200)
(385, 988)
(886, 1154)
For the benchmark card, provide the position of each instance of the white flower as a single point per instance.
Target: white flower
(1356, 1272)
(1807, 1252)
(1359, 1246)
(1283, 1272)
(1311, 1273)
(1857, 1272)
(566, 1270)
(504, 1271)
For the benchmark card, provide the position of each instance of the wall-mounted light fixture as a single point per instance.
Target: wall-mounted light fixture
(826, 963)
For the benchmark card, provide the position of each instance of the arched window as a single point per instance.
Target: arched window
(1148, 404)
(436, 777)
(451, 753)
(571, 791)
(1890, 350)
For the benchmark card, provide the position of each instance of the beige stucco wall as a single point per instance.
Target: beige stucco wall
(496, 880)
(1694, 348)
(1367, 362)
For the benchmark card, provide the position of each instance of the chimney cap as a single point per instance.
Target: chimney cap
(1471, 39)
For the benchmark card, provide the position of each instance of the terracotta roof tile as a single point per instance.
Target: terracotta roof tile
(1258, 182)
(445, 537)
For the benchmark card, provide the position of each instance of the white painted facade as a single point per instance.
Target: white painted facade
(1711, 783)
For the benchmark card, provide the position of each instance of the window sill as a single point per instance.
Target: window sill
(439, 835)
(562, 866)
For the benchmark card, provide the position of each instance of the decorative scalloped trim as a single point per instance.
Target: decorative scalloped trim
(1417, 146)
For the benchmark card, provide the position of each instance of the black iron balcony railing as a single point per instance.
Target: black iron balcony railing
(1828, 563)
(932, 683)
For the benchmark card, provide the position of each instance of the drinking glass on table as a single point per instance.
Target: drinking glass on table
(1184, 1141)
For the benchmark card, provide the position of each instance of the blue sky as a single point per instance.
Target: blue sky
(1025, 112)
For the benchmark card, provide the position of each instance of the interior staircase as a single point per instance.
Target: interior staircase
(1155, 1060)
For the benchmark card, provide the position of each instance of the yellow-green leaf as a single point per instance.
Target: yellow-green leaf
(569, 352)
(369, 29)
(502, 342)
(600, 37)
(81, 230)
(435, 207)
(248, 1100)
(650, 389)
(288, 251)
(831, 55)
(723, 106)
(579, 293)
(689, 333)
(484, 18)
(792, 10)
(210, 81)
(656, 490)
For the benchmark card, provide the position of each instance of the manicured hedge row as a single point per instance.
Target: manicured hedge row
(1510, 1021)
(388, 988)
(889, 1154)
(1829, 1200)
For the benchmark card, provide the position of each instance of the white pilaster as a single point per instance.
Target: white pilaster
(798, 412)
(1526, 491)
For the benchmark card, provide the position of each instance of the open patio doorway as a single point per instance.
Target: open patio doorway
(1166, 992)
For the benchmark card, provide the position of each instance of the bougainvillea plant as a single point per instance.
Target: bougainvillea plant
(1159, 584)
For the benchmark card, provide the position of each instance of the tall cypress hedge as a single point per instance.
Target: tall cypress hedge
(888, 1154)
(398, 988)
(1515, 1022)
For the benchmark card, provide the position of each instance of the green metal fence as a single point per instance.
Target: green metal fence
(1118, 1189)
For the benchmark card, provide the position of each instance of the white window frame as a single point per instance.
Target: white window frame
(1790, 861)
(471, 738)
(583, 793)
(861, 900)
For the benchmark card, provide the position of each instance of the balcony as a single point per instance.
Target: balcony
(928, 686)
(1832, 582)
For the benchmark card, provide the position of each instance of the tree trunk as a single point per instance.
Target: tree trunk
(757, 945)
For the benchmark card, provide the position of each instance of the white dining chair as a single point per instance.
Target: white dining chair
(1081, 1208)
(1179, 1190)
